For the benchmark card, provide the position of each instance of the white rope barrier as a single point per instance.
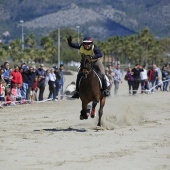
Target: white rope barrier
(33, 101)
(152, 87)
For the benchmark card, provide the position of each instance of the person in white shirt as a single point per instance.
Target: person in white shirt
(51, 82)
(144, 80)
(117, 78)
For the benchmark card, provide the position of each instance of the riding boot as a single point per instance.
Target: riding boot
(106, 92)
(76, 94)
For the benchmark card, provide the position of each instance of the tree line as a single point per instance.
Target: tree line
(141, 48)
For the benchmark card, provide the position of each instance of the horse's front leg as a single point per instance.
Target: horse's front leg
(83, 112)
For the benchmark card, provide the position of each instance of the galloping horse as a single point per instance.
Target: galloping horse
(90, 89)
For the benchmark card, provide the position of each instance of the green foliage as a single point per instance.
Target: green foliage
(142, 48)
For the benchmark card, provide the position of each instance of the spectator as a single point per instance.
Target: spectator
(6, 73)
(16, 77)
(61, 82)
(152, 77)
(47, 76)
(58, 77)
(35, 89)
(31, 77)
(9, 98)
(129, 78)
(109, 74)
(52, 86)
(2, 90)
(117, 78)
(16, 92)
(24, 71)
(165, 78)
(2, 73)
(41, 73)
(159, 74)
(144, 81)
(168, 70)
(136, 75)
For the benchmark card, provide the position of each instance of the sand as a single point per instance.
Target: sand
(135, 134)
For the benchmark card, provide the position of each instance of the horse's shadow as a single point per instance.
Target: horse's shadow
(63, 130)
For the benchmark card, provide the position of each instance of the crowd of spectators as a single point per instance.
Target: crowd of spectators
(150, 80)
(23, 84)
(138, 77)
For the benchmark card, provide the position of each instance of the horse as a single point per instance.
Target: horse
(90, 89)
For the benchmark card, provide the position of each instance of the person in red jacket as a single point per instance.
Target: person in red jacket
(16, 76)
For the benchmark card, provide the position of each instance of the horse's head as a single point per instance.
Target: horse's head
(86, 65)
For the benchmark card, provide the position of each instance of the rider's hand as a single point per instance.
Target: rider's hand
(69, 39)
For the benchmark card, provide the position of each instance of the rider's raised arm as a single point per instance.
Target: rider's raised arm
(74, 45)
(98, 53)
(71, 44)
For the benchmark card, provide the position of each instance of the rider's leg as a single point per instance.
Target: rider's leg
(106, 91)
(76, 94)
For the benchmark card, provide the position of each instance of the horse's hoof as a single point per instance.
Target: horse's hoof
(92, 113)
(99, 128)
(99, 124)
(81, 117)
(86, 117)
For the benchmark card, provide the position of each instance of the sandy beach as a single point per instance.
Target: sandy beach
(50, 135)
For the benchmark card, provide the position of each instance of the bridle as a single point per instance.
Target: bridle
(86, 66)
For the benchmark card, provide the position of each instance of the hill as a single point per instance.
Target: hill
(100, 19)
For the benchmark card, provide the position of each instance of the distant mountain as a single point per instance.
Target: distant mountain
(99, 19)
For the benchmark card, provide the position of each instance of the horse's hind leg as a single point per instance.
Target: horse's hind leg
(100, 112)
(92, 113)
(100, 116)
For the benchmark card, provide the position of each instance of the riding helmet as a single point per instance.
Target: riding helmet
(88, 39)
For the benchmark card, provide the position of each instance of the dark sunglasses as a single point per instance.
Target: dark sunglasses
(87, 43)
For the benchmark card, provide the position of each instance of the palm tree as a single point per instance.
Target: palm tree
(30, 41)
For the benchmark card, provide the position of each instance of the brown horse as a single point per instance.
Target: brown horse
(90, 90)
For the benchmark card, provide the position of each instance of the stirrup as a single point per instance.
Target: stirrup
(75, 95)
(106, 92)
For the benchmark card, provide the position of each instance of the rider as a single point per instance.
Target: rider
(88, 48)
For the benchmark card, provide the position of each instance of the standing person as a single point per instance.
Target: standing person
(52, 89)
(58, 77)
(16, 77)
(144, 80)
(31, 78)
(136, 75)
(24, 71)
(7, 73)
(152, 77)
(165, 78)
(88, 48)
(47, 76)
(109, 73)
(117, 78)
(159, 74)
(41, 74)
(167, 68)
(129, 78)
(61, 82)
